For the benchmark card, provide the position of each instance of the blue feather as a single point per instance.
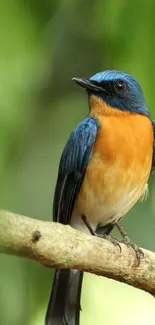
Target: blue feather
(131, 100)
(74, 160)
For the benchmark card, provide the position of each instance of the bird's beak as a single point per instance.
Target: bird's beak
(87, 84)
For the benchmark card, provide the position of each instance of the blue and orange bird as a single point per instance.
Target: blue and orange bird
(104, 170)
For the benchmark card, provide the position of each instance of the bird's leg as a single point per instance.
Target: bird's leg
(126, 240)
(113, 240)
(85, 220)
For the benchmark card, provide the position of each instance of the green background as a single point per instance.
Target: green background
(43, 44)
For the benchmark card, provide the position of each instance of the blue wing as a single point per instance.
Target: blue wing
(74, 160)
(153, 159)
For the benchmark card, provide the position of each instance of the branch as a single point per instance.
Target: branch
(56, 245)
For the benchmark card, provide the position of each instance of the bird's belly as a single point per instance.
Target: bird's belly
(111, 196)
(109, 192)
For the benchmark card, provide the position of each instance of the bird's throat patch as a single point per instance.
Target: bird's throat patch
(98, 106)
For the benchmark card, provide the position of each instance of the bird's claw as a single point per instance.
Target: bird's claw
(138, 251)
(112, 239)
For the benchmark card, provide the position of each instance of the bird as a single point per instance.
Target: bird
(103, 171)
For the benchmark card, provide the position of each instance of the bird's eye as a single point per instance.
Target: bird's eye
(120, 86)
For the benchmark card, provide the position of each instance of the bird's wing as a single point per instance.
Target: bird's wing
(153, 158)
(74, 160)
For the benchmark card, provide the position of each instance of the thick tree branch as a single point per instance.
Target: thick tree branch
(55, 245)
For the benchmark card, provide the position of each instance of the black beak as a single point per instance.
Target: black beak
(88, 84)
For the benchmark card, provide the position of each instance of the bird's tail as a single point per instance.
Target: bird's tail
(64, 303)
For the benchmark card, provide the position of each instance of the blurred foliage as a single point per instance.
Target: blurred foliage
(43, 45)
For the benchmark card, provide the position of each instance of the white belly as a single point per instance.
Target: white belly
(101, 213)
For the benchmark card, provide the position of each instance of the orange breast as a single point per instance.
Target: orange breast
(119, 169)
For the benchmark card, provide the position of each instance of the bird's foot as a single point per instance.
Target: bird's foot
(126, 240)
(112, 239)
(138, 251)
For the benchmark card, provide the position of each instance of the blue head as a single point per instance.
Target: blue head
(117, 89)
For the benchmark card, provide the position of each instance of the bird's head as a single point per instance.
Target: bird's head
(116, 89)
